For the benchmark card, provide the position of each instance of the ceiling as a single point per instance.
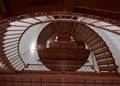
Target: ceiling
(103, 8)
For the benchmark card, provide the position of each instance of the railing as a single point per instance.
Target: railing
(42, 67)
(37, 67)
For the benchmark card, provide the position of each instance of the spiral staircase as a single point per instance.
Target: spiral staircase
(69, 49)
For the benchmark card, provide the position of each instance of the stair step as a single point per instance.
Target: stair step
(103, 56)
(89, 34)
(104, 50)
(108, 68)
(106, 62)
(77, 30)
(85, 32)
(101, 44)
(92, 38)
(101, 49)
(95, 42)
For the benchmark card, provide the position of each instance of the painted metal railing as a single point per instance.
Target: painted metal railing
(42, 67)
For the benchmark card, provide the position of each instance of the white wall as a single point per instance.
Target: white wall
(28, 44)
